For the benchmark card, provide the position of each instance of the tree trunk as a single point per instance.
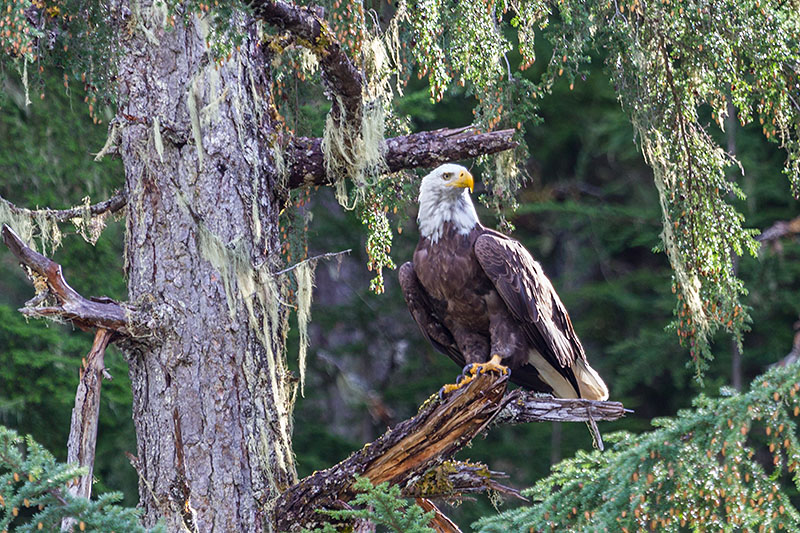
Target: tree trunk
(212, 397)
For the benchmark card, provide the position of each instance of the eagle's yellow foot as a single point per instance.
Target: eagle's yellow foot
(471, 371)
(492, 365)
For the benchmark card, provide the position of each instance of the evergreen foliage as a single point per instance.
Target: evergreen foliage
(33, 493)
(383, 506)
(715, 467)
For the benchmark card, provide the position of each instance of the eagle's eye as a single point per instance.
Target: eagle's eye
(447, 175)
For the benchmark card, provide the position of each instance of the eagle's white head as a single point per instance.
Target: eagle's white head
(443, 197)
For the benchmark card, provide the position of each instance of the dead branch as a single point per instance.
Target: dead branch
(85, 418)
(401, 455)
(112, 205)
(522, 406)
(780, 229)
(423, 149)
(415, 454)
(49, 283)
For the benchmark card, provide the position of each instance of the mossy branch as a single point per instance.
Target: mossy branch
(423, 149)
(112, 205)
(305, 23)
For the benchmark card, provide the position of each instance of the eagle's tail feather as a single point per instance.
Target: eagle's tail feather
(590, 383)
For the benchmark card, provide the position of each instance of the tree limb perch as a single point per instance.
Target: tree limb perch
(415, 454)
(423, 149)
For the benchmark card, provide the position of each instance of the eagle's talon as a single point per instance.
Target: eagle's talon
(492, 365)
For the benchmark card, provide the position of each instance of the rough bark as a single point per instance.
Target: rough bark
(211, 394)
(423, 149)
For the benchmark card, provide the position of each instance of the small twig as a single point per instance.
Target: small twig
(112, 205)
(328, 255)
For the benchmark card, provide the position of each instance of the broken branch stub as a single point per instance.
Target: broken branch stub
(523, 406)
(69, 304)
(401, 456)
(82, 441)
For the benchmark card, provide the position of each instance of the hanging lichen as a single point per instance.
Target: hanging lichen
(262, 297)
(304, 275)
(43, 224)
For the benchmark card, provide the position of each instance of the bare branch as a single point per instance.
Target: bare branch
(326, 256)
(69, 305)
(522, 406)
(401, 455)
(85, 418)
(112, 205)
(414, 453)
(423, 149)
(780, 229)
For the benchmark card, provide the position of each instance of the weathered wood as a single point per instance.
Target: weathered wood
(414, 454)
(85, 418)
(401, 455)
(523, 406)
(440, 523)
(69, 305)
(423, 149)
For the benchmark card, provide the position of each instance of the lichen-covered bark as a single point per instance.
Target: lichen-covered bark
(210, 388)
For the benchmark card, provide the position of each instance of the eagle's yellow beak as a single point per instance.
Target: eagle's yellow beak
(464, 180)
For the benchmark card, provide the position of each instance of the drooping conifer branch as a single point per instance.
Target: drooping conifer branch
(67, 304)
(112, 205)
(423, 149)
(415, 454)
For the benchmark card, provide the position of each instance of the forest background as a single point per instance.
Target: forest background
(589, 213)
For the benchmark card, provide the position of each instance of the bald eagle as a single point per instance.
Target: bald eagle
(479, 297)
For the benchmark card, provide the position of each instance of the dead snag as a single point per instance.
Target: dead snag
(401, 456)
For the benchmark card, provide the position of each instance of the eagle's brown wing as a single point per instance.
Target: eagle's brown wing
(531, 299)
(421, 309)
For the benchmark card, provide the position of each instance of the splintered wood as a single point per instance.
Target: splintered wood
(416, 453)
(401, 455)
